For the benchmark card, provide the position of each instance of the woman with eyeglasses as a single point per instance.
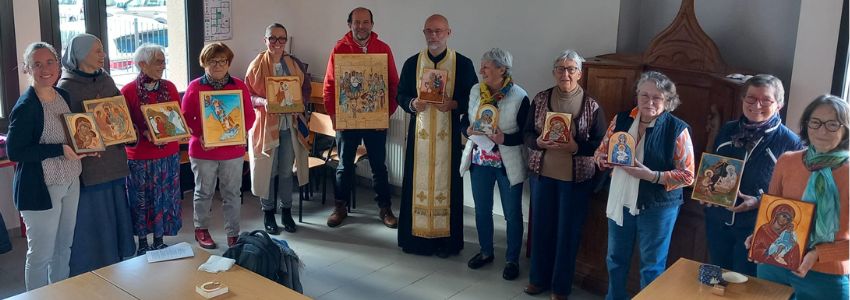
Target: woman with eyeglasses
(644, 199)
(274, 141)
(211, 165)
(758, 138)
(153, 187)
(818, 174)
(564, 171)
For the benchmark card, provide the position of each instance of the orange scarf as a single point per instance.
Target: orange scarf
(266, 127)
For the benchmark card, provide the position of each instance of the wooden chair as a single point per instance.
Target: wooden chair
(321, 124)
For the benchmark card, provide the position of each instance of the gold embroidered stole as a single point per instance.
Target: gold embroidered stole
(432, 173)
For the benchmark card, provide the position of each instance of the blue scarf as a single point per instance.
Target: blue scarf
(821, 190)
(750, 132)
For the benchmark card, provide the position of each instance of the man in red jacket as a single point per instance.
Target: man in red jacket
(361, 39)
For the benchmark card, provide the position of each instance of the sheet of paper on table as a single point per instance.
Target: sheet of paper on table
(172, 252)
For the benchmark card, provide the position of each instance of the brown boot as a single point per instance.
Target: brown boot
(339, 214)
(388, 218)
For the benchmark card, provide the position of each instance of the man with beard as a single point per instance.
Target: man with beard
(361, 39)
(431, 216)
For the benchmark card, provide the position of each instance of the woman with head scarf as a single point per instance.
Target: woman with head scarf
(104, 232)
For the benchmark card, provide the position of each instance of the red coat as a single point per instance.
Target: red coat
(347, 45)
(191, 108)
(145, 149)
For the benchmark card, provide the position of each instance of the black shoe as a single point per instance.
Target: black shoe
(286, 219)
(159, 246)
(270, 224)
(511, 271)
(479, 260)
(142, 250)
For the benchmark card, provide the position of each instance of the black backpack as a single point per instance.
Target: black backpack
(256, 251)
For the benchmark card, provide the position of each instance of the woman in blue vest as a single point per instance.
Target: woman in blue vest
(758, 138)
(645, 204)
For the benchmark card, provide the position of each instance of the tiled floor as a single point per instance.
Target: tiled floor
(358, 260)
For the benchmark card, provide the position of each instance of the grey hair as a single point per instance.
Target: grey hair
(841, 114)
(500, 58)
(569, 54)
(663, 84)
(767, 80)
(273, 26)
(146, 53)
(29, 52)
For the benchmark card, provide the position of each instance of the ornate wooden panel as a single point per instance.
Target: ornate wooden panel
(688, 56)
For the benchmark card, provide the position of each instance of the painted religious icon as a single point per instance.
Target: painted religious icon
(284, 95)
(718, 179)
(486, 120)
(113, 119)
(362, 95)
(165, 122)
(222, 118)
(557, 127)
(433, 85)
(621, 149)
(83, 132)
(781, 232)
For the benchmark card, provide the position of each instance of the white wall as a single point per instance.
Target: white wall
(814, 61)
(27, 30)
(758, 35)
(534, 33)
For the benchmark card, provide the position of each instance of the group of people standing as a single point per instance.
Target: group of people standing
(98, 202)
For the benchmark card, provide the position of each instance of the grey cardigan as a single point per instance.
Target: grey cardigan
(112, 163)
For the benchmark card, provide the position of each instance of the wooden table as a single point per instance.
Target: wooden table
(176, 279)
(680, 282)
(85, 286)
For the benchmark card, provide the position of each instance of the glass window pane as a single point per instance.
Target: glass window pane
(71, 20)
(133, 23)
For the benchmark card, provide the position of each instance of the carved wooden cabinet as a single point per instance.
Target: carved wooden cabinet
(690, 58)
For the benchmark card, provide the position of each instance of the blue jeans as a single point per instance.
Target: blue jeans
(816, 285)
(560, 208)
(376, 143)
(483, 178)
(726, 245)
(652, 229)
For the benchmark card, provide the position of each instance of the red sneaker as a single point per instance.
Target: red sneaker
(202, 235)
(231, 241)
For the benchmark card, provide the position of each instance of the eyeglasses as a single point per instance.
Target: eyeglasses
(273, 39)
(571, 70)
(763, 101)
(645, 98)
(437, 32)
(218, 62)
(831, 125)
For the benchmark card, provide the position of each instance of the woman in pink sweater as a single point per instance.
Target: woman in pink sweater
(215, 164)
(818, 174)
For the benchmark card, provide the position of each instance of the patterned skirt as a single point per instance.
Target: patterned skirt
(153, 191)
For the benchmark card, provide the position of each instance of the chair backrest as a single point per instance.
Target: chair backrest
(321, 123)
(317, 89)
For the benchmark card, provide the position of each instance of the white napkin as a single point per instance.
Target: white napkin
(217, 264)
(483, 142)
